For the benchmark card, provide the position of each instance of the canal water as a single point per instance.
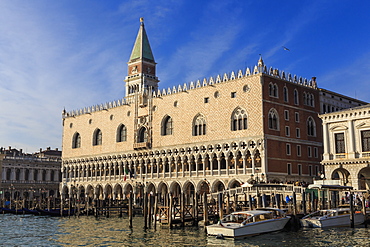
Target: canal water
(27, 230)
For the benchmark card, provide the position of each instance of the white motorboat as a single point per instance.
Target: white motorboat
(331, 218)
(247, 223)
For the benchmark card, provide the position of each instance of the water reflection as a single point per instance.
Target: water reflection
(88, 231)
(19, 230)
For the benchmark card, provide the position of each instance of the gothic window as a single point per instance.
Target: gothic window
(8, 174)
(142, 135)
(365, 139)
(199, 125)
(273, 90)
(97, 137)
(312, 101)
(26, 174)
(43, 175)
(285, 92)
(239, 120)
(76, 141)
(296, 100)
(166, 128)
(311, 127)
(17, 174)
(273, 120)
(35, 172)
(339, 143)
(308, 99)
(305, 98)
(121, 133)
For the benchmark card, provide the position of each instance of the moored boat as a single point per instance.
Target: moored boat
(30, 211)
(11, 211)
(55, 212)
(247, 223)
(332, 218)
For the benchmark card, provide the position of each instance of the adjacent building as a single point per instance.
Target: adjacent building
(346, 157)
(27, 176)
(254, 125)
(331, 101)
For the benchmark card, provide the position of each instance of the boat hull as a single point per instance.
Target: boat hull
(250, 229)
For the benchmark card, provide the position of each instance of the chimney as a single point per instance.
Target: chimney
(48, 148)
(10, 148)
(56, 149)
(20, 151)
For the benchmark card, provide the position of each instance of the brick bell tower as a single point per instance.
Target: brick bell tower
(141, 81)
(141, 78)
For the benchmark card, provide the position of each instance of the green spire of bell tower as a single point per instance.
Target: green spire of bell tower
(142, 48)
(141, 74)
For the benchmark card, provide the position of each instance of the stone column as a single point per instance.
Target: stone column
(219, 166)
(244, 164)
(326, 155)
(351, 140)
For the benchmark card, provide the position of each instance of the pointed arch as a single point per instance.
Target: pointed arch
(76, 140)
(296, 98)
(97, 137)
(239, 119)
(273, 119)
(166, 126)
(311, 126)
(285, 94)
(142, 135)
(273, 90)
(199, 125)
(121, 133)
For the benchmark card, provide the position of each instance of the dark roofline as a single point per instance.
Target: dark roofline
(341, 95)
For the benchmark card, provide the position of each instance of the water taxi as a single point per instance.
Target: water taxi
(332, 218)
(247, 223)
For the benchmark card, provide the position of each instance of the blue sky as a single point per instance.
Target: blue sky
(73, 54)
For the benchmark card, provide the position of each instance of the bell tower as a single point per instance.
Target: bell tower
(141, 78)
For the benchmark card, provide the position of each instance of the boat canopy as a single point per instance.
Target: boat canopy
(329, 186)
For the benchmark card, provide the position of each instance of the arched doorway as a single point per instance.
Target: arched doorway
(218, 187)
(342, 175)
(189, 191)
(364, 179)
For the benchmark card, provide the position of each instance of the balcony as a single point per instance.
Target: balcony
(340, 156)
(365, 154)
(141, 145)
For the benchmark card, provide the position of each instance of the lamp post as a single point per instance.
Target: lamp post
(257, 181)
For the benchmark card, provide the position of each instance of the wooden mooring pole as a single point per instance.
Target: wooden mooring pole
(352, 215)
(304, 202)
(155, 210)
(145, 210)
(220, 205)
(130, 210)
(182, 209)
(170, 210)
(205, 209)
(150, 209)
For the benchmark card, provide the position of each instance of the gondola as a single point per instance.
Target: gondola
(55, 212)
(11, 211)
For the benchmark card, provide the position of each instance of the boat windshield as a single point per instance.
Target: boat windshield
(235, 218)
